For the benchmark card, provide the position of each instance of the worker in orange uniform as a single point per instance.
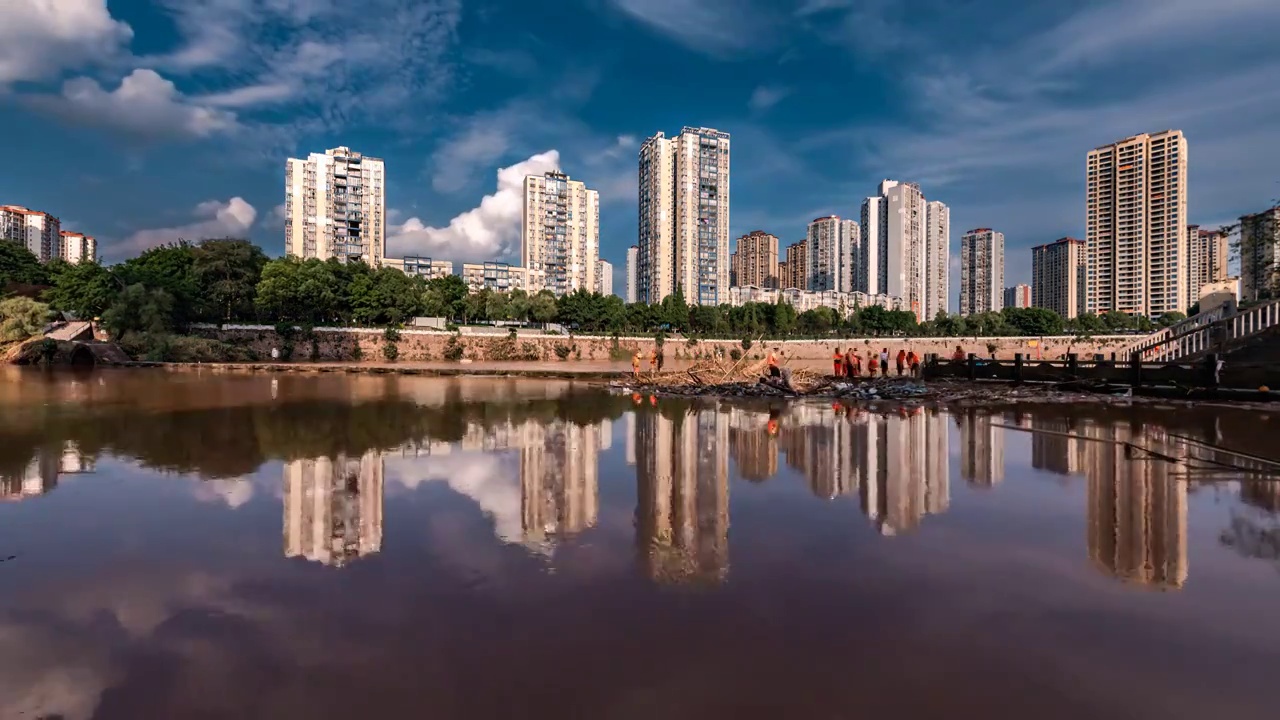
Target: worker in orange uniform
(774, 370)
(913, 362)
(959, 354)
(653, 362)
(873, 364)
(837, 362)
(901, 361)
(635, 365)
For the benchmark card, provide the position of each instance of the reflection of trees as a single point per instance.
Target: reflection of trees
(233, 441)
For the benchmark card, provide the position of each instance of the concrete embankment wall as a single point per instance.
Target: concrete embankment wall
(339, 344)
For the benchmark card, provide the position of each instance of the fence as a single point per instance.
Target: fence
(1205, 373)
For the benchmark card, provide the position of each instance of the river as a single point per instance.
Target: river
(212, 545)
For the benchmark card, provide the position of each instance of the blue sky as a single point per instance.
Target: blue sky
(139, 121)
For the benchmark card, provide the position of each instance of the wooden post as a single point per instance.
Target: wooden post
(973, 366)
(1017, 368)
(1211, 370)
(1073, 365)
(1135, 369)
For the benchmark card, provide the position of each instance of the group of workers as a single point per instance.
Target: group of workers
(655, 361)
(849, 364)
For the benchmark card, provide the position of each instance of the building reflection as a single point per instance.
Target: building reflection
(1056, 446)
(40, 475)
(682, 509)
(333, 508)
(981, 449)
(1137, 510)
(559, 479)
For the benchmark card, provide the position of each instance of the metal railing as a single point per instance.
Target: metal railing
(1163, 336)
(1218, 336)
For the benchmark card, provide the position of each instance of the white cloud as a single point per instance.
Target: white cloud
(248, 96)
(711, 27)
(216, 219)
(490, 480)
(145, 104)
(765, 97)
(487, 232)
(39, 38)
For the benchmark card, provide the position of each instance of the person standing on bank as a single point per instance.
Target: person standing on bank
(837, 363)
(774, 370)
(872, 364)
(901, 361)
(851, 364)
(884, 362)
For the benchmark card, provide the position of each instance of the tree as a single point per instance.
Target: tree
(543, 307)
(85, 289)
(1033, 321)
(298, 291)
(1170, 318)
(169, 268)
(139, 309)
(518, 305)
(19, 267)
(227, 271)
(784, 317)
(21, 318)
(1086, 324)
(445, 297)
(475, 304)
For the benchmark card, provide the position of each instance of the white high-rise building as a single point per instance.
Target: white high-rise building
(633, 260)
(832, 245)
(937, 259)
(39, 232)
(1135, 225)
(893, 245)
(335, 207)
(1260, 255)
(981, 271)
(684, 217)
(78, 247)
(604, 277)
(561, 231)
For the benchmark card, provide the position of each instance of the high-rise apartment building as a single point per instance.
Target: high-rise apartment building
(1207, 255)
(561, 231)
(1260, 255)
(684, 216)
(76, 247)
(893, 253)
(604, 277)
(832, 243)
(1018, 296)
(39, 232)
(1058, 272)
(335, 206)
(1135, 225)
(981, 271)
(797, 266)
(937, 258)
(755, 260)
(633, 286)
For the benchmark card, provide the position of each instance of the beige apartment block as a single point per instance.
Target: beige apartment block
(833, 243)
(78, 247)
(755, 261)
(893, 249)
(1135, 225)
(561, 231)
(604, 277)
(1207, 255)
(335, 207)
(981, 271)
(684, 216)
(39, 232)
(502, 277)
(1260, 255)
(937, 258)
(797, 266)
(1058, 271)
(423, 267)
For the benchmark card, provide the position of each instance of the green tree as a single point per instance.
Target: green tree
(1087, 324)
(498, 307)
(227, 271)
(518, 305)
(445, 297)
(19, 267)
(1170, 318)
(299, 291)
(85, 289)
(784, 318)
(543, 307)
(475, 304)
(139, 309)
(170, 268)
(21, 318)
(1033, 322)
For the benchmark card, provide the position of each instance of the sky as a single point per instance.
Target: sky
(142, 121)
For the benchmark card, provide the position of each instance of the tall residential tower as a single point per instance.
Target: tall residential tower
(832, 244)
(560, 232)
(1058, 276)
(981, 271)
(335, 207)
(755, 260)
(684, 216)
(1135, 225)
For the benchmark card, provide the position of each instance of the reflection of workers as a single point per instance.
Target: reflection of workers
(635, 398)
(901, 361)
(635, 365)
(774, 370)
(837, 362)
(653, 400)
(772, 427)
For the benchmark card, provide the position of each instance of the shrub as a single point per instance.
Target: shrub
(21, 318)
(746, 343)
(991, 348)
(453, 349)
(691, 342)
(391, 335)
(511, 334)
(356, 352)
(562, 351)
(735, 354)
(390, 351)
(315, 348)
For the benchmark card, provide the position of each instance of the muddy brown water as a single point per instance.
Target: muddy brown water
(196, 545)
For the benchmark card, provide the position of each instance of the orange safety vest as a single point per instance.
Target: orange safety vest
(773, 360)
(837, 356)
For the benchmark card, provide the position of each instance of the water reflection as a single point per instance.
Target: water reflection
(41, 474)
(333, 508)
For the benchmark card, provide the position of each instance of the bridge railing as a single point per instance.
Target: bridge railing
(1149, 342)
(1219, 335)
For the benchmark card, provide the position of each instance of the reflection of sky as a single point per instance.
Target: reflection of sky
(994, 595)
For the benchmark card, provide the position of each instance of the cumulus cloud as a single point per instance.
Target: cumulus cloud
(487, 232)
(39, 38)
(491, 481)
(215, 219)
(144, 104)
